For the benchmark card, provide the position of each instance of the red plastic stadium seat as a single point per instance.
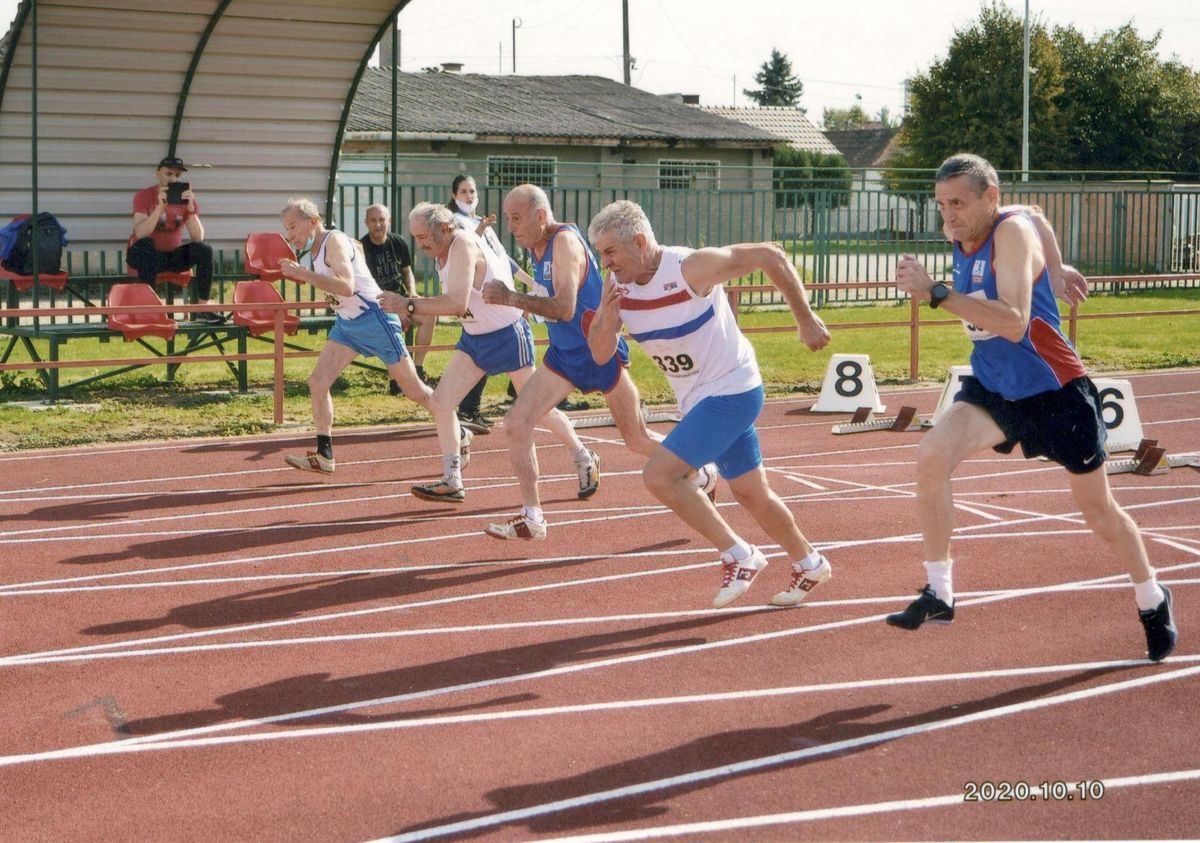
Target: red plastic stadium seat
(179, 279)
(261, 322)
(57, 280)
(264, 251)
(135, 325)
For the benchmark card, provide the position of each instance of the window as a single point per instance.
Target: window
(686, 175)
(505, 171)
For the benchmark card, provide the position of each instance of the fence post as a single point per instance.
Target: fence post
(279, 311)
(1072, 323)
(914, 338)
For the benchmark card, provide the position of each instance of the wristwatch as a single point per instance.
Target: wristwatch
(411, 307)
(938, 293)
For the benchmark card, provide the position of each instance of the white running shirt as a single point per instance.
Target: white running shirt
(483, 318)
(366, 290)
(694, 339)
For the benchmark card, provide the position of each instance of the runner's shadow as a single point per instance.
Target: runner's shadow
(274, 449)
(296, 599)
(320, 690)
(717, 750)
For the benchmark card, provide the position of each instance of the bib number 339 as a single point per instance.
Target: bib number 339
(675, 364)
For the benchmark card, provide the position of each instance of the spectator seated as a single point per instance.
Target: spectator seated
(264, 251)
(134, 326)
(259, 322)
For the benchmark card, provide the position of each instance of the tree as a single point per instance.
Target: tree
(841, 119)
(799, 173)
(779, 86)
(971, 100)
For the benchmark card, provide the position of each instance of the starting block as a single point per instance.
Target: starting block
(864, 420)
(849, 384)
(1150, 459)
(953, 384)
(607, 420)
(1119, 412)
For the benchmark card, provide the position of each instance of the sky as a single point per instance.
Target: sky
(842, 51)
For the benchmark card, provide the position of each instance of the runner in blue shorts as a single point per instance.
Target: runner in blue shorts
(566, 292)
(339, 269)
(671, 300)
(495, 339)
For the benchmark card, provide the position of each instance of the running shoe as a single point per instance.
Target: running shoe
(589, 475)
(1160, 627)
(517, 527)
(803, 582)
(710, 482)
(736, 577)
(465, 437)
(926, 608)
(442, 491)
(312, 461)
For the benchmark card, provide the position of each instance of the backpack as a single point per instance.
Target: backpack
(51, 238)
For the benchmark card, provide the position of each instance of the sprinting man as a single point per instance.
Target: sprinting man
(495, 338)
(339, 270)
(1027, 386)
(671, 300)
(567, 286)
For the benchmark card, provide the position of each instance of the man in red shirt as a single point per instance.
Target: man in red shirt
(156, 245)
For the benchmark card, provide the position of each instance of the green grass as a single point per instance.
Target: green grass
(202, 402)
(867, 246)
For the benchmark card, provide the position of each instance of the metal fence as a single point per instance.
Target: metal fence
(1104, 228)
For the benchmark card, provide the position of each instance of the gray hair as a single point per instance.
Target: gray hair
(433, 215)
(978, 171)
(378, 206)
(623, 219)
(535, 196)
(303, 206)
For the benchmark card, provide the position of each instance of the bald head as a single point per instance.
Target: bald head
(527, 214)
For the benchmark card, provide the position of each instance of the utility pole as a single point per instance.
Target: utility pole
(625, 38)
(515, 26)
(1025, 104)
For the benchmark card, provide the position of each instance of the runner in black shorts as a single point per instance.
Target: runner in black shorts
(1028, 386)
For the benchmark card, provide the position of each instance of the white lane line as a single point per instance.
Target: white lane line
(577, 668)
(343, 638)
(766, 762)
(842, 811)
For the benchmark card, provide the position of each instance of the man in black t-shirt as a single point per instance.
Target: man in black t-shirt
(390, 263)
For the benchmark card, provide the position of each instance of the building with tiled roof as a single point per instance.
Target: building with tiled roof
(791, 124)
(867, 149)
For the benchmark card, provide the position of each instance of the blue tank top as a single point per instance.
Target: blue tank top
(1043, 360)
(567, 335)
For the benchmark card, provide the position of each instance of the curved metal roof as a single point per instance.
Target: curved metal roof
(252, 94)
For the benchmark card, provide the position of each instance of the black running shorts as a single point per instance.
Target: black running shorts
(1064, 425)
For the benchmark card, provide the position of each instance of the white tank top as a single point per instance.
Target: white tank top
(481, 317)
(694, 339)
(366, 290)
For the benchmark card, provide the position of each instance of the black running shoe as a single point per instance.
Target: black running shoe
(1160, 628)
(927, 607)
(394, 388)
(207, 317)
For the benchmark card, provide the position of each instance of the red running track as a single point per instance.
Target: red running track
(199, 643)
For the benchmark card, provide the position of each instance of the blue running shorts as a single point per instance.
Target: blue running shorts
(502, 351)
(577, 366)
(720, 429)
(372, 333)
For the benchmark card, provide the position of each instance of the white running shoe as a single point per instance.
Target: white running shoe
(737, 576)
(803, 582)
(589, 475)
(312, 461)
(517, 527)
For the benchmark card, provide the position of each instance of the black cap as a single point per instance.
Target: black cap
(172, 163)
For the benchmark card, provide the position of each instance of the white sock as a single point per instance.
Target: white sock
(810, 562)
(452, 468)
(1148, 594)
(739, 552)
(582, 457)
(533, 513)
(940, 580)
